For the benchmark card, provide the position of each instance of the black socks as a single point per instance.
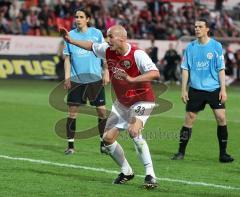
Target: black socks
(101, 126)
(71, 128)
(185, 135)
(222, 135)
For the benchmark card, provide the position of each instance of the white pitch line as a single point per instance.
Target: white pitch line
(116, 172)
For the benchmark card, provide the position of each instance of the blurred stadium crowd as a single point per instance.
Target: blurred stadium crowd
(39, 17)
(153, 19)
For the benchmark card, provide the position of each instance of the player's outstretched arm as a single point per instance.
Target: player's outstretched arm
(83, 44)
(79, 43)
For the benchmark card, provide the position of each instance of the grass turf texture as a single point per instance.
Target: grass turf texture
(27, 131)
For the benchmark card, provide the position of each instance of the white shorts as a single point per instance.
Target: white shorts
(121, 115)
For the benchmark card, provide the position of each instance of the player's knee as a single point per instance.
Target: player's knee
(134, 132)
(191, 116)
(108, 138)
(189, 119)
(102, 115)
(101, 112)
(221, 119)
(72, 115)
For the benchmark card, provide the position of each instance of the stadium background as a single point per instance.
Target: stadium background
(32, 162)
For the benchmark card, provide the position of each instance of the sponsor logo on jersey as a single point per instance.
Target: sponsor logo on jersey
(209, 55)
(202, 65)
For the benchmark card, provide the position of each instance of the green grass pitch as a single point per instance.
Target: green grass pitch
(32, 162)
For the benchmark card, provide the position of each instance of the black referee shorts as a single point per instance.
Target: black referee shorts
(78, 94)
(199, 98)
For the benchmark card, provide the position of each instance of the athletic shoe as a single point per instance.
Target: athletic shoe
(149, 182)
(69, 151)
(225, 158)
(122, 178)
(178, 156)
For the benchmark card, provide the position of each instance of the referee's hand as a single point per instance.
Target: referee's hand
(222, 96)
(67, 84)
(185, 96)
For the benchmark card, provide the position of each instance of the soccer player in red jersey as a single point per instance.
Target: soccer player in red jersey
(131, 72)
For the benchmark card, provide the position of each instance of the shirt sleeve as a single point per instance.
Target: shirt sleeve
(184, 64)
(99, 49)
(143, 61)
(66, 48)
(220, 58)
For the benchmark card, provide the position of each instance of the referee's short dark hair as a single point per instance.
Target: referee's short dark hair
(205, 21)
